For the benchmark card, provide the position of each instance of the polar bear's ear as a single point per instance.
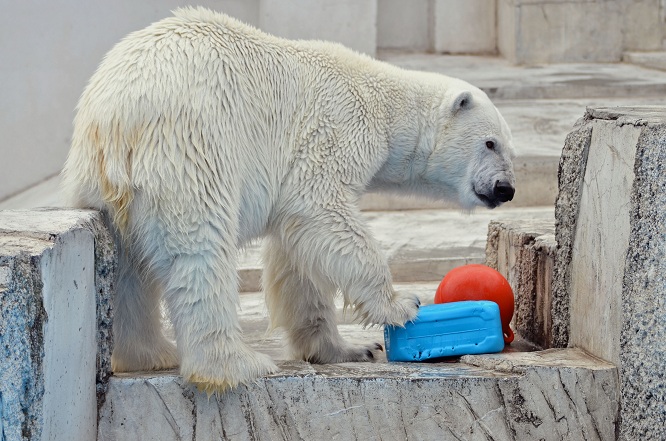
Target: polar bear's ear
(463, 101)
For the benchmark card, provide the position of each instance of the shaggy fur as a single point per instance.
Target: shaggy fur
(199, 133)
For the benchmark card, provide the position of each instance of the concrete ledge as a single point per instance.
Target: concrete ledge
(56, 277)
(557, 395)
(524, 252)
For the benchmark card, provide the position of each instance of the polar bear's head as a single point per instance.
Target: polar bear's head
(471, 157)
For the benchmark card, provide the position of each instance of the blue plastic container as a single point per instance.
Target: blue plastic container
(445, 330)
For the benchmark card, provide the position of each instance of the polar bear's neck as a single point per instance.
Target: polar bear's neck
(412, 108)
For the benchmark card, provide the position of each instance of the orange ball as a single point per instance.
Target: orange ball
(479, 282)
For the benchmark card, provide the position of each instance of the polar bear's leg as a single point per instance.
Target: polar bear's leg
(336, 246)
(139, 342)
(201, 291)
(307, 313)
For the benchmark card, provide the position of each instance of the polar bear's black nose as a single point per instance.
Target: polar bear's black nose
(503, 191)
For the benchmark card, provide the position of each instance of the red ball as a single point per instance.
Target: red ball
(479, 282)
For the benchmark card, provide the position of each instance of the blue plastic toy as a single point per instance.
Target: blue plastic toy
(447, 329)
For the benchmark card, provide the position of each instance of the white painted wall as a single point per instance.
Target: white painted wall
(48, 50)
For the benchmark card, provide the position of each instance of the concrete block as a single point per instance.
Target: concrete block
(611, 262)
(524, 252)
(652, 60)
(56, 279)
(404, 25)
(465, 26)
(545, 31)
(517, 396)
(352, 23)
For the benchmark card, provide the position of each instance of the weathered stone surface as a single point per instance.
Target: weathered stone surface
(562, 395)
(524, 252)
(611, 229)
(51, 286)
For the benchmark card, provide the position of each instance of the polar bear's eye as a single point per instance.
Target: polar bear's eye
(490, 145)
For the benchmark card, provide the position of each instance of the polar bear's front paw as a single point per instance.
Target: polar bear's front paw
(401, 308)
(236, 368)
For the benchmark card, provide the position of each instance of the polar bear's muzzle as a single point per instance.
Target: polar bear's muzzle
(502, 191)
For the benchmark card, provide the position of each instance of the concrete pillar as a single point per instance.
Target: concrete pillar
(464, 26)
(611, 260)
(351, 22)
(56, 277)
(524, 252)
(404, 25)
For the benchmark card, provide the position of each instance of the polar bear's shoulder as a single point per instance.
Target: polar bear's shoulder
(198, 16)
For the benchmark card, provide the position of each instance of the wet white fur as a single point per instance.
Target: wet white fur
(200, 133)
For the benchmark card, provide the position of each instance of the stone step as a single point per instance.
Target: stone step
(421, 245)
(502, 80)
(549, 395)
(515, 395)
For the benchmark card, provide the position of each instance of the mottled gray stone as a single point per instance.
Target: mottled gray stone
(56, 278)
(643, 335)
(524, 252)
(562, 395)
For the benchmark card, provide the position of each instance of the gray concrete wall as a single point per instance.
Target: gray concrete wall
(551, 31)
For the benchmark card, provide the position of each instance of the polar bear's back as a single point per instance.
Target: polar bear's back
(180, 107)
(200, 103)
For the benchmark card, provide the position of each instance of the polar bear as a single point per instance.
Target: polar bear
(200, 133)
